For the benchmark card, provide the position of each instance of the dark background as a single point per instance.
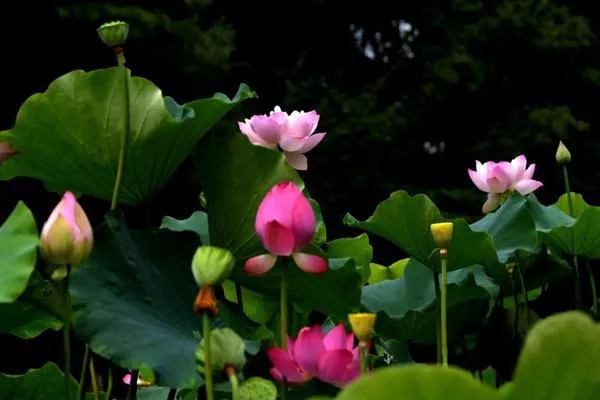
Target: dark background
(410, 93)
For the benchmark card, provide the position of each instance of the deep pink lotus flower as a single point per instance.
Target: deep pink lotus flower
(6, 151)
(331, 358)
(67, 236)
(498, 179)
(294, 133)
(285, 223)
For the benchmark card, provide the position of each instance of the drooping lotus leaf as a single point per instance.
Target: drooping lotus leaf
(69, 137)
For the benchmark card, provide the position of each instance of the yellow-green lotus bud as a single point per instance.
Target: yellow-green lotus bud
(228, 350)
(212, 265)
(114, 34)
(563, 155)
(442, 234)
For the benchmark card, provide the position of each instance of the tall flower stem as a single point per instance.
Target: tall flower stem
(283, 321)
(575, 275)
(66, 298)
(83, 376)
(444, 305)
(524, 291)
(208, 378)
(593, 287)
(364, 357)
(233, 380)
(132, 391)
(94, 380)
(438, 315)
(125, 122)
(109, 385)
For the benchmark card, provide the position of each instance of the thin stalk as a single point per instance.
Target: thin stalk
(515, 330)
(444, 306)
(235, 385)
(575, 275)
(125, 119)
(208, 378)
(172, 393)
(94, 380)
(109, 384)
(438, 315)
(524, 290)
(364, 358)
(593, 287)
(283, 321)
(66, 297)
(132, 391)
(83, 376)
(238, 295)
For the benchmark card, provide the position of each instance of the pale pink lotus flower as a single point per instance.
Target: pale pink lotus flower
(498, 179)
(6, 151)
(294, 133)
(140, 381)
(285, 223)
(331, 358)
(67, 236)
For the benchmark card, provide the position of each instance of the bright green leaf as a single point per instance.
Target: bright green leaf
(197, 223)
(78, 120)
(581, 238)
(418, 382)
(579, 204)
(25, 320)
(257, 307)
(357, 248)
(381, 273)
(19, 240)
(134, 299)
(321, 232)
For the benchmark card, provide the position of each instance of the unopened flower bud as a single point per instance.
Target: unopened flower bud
(563, 155)
(67, 236)
(442, 234)
(212, 265)
(362, 325)
(6, 151)
(114, 34)
(228, 350)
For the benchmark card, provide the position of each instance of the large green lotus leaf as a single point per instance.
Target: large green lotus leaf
(405, 221)
(405, 307)
(197, 223)
(579, 204)
(78, 120)
(39, 384)
(579, 239)
(559, 360)
(381, 273)
(133, 301)
(418, 382)
(18, 252)
(357, 248)
(25, 320)
(236, 176)
(545, 217)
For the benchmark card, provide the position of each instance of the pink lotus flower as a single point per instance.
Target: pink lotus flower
(6, 151)
(67, 236)
(285, 223)
(294, 133)
(497, 179)
(140, 381)
(331, 358)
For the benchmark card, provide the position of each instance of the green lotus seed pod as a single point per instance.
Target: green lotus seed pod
(114, 34)
(212, 265)
(258, 389)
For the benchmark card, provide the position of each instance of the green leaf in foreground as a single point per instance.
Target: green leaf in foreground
(418, 382)
(25, 320)
(38, 384)
(18, 252)
(406, 307)
(78, 120)
(134, 299)
(559, 360)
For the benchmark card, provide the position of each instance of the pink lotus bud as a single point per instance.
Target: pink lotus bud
(331, 358)
(67, 236)
(499, 178)
(285, 223)
(294, 133)
(6, 151)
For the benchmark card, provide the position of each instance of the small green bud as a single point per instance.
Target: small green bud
(114, 34)
(212, 265)
(563, 155)
(228, 349)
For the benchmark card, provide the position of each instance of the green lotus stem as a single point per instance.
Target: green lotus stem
(513, 284)
(109, 385)
(438, 315)
(94, 380)
(66, 298)
(172, 393)
(208, 379)
(235, 385)
(364, 358)
(444, 305)
(238, 295)
(124, 135)
(82, 377)
(132, 391)
(575, 275)
(524, 290)
(283, 321)
(593, 287)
